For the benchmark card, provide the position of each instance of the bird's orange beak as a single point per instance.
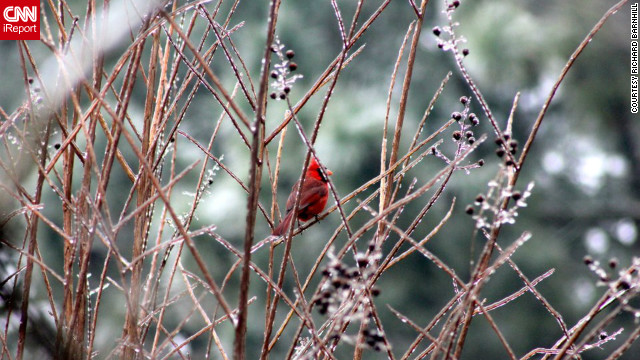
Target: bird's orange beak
(329, 172)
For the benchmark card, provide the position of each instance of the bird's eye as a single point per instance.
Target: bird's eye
(321, 175)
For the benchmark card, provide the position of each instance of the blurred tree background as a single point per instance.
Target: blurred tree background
(585, 162)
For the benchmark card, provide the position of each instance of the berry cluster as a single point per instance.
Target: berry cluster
(487, 209)
(464, 137)
(506, 144)
(283, 80)
(346, 297)
(451, 40)
(467, 120)
(626, 278)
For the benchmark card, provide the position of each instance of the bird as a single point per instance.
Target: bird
(313, 197)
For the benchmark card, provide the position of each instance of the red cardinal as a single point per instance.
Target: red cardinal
(313, 197)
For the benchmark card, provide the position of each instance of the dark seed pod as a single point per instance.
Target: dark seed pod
(624, 285)
(362, 262)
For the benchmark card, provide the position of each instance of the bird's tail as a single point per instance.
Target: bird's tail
(284, 225)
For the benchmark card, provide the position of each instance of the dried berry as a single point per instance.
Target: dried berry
(352, 273)
(362, 262)
(474, 119)
(624, 285)
(588, 260)
(516, 195)
(436, 31)
(290, 54)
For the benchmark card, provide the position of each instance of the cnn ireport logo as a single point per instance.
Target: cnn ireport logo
(20, 20)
